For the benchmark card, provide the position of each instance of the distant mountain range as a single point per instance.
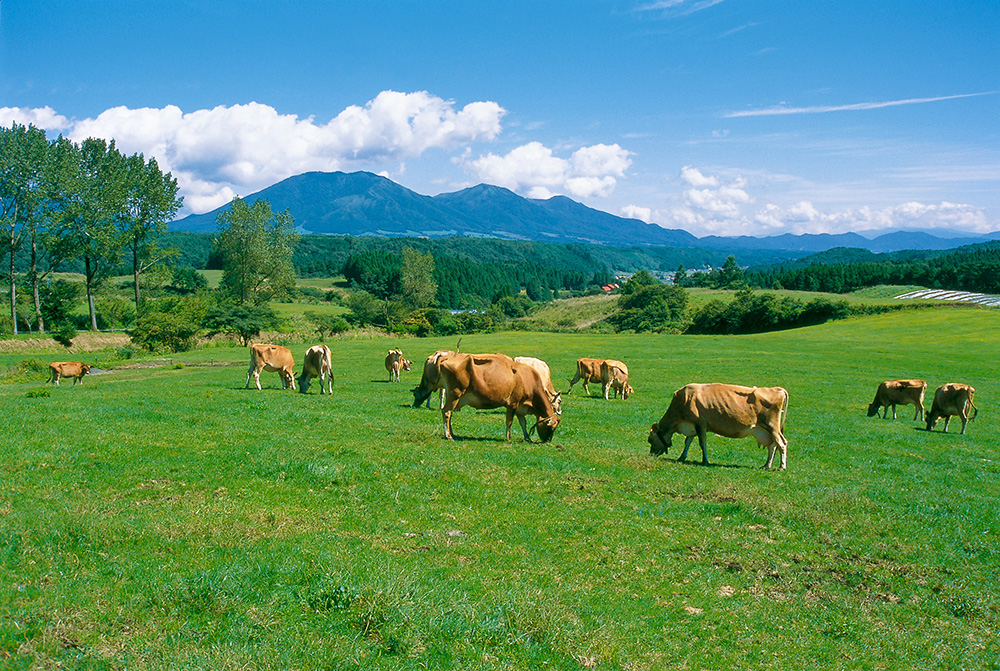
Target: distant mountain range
(361, 203)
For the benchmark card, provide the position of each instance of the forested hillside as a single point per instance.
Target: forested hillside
(970, 268)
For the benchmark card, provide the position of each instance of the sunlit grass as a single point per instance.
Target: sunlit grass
(167, 518)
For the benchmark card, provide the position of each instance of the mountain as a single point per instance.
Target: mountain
(361, 203)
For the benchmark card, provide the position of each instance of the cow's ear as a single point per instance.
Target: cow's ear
(752, 397)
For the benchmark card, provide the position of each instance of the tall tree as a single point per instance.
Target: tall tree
(256, 248)
(419, 287)
(94, 200)
(150, 201)
(23, 152)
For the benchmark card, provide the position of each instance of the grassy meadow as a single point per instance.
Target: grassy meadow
(166, 518)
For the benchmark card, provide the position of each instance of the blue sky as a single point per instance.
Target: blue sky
(715, 116)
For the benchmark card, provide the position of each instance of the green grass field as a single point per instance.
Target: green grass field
(167, 518)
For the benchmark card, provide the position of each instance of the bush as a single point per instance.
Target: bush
(156, 331)
(64, 334)
(114, 312)
(243, 321)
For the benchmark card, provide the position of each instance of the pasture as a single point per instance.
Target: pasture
(167, 518)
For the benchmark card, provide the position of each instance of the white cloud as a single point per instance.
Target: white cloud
(820, 109)
(636, 212)
(217, 153)
(42, 117)
(713, 206)
(533, 169)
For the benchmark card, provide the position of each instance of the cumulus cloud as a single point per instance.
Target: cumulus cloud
(636, 212)
(716, 206)
(534, 170)
(217, 153)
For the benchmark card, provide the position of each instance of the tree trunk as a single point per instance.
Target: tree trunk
(135, 278)
(90, 293)
(13, 293)
(39, 321)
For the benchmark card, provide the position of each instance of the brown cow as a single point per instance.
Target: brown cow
(614, 377)
(394, 362)
(950, 399)
(588, 370)
(271, 358)
(543, 371)
(318, 362)
(727, 410)
(899, 392)
(496, 381)
(430, 381)
(73, 369)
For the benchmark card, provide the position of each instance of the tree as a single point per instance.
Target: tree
(150, 201)
(256, 247)
(93, 202)
(244, 321)
(23, 152)
(680, 275)
(731, 275)
(648, 305)
(417, 278)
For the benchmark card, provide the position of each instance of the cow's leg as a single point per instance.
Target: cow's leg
(947, 418)
(964, 415)
(687, 443)
(918, 410)
(509, 420)
(586, 388)
(894, 411)
(885, 411)
(605, 389)
(703, 441)
(56, 377)
(524, 428)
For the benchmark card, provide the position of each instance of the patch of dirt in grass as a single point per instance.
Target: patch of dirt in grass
(85, 341)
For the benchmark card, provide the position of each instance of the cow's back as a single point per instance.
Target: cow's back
(722, 408)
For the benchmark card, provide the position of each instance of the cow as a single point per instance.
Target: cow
(271, 358)
(318, 362)
(950, 399)
(430, 381)
(73, 369)
(899, 392)
(588, 370)
(614, 377)
(394, 362)
(543, 371)
(496, 381)
(727, 410)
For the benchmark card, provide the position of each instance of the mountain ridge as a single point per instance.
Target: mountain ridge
(362, 203)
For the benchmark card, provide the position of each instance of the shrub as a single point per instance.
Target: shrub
(156, 331)
(64, 334)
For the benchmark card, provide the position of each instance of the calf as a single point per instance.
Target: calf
(614, 377)
(394, 362)
(950, 399)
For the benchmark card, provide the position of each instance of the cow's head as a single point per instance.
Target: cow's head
(627, 390)
(406, 364)
(304, 381)
(420, 395)
(873, 409)
(547, 427)
(289, 378)
(932, 420)
(84, 368)
(658, 443)
(556, 401)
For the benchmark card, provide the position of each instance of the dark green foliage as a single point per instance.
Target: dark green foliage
(157, 331)
(328, 325)
(64, 334)
(647, 305)
(378, 273)
(750, 312)
(244, 321)
(514, 306)
(59, 299)
(187, 280)
(971, 268)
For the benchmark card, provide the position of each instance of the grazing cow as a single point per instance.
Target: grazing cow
(496, 381)
(727, 410)
(73, 369)
(431, 380)
(950, 399)
(543, 371)
(614, 377)
(899, 392)
(318, 362)
(394, 362)
(588, 370)
(271, 358)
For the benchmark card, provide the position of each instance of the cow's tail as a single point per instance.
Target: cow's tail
(458, 347)
(975, 410)
(784, 409)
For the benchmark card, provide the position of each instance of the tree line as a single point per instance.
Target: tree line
(88, 204)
